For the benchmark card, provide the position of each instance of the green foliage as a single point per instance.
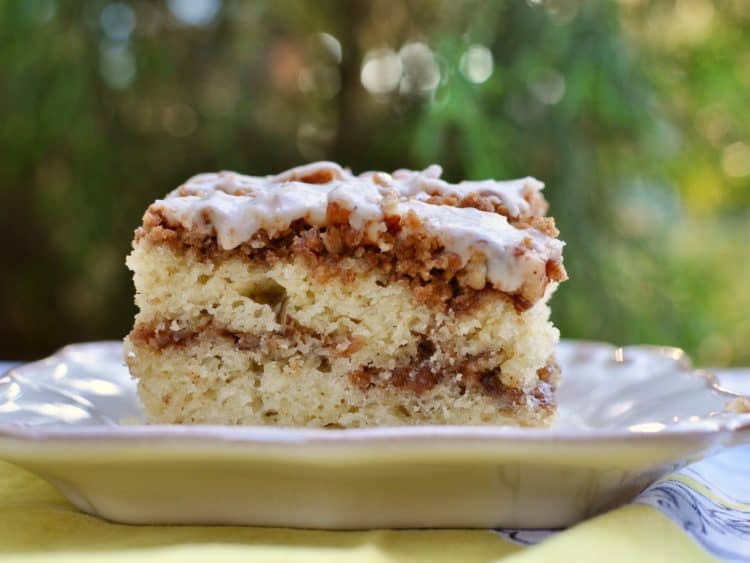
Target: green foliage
(633, 113)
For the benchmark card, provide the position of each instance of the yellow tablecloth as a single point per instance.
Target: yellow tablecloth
(38, 524)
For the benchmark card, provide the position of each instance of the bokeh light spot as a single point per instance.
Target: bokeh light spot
(735, 160)
(548, 87)
(117, 66)
(421, 74)
(194, 12)
(331, 45)
(477, 64)
(381, 71)
(117, 21)
(691, 21)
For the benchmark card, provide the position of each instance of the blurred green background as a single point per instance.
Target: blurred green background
(634, 113)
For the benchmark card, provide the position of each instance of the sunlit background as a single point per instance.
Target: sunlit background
(634, 113)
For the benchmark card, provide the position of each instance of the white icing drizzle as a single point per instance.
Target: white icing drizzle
(236, 206)
(422, 185)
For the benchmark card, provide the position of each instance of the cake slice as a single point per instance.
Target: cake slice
(321, 298)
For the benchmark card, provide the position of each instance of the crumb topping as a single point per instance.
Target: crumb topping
(485, 234)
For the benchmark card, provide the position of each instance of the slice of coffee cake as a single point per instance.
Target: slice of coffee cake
(319, 298)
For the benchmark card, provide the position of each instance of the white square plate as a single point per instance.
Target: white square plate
(626, 417)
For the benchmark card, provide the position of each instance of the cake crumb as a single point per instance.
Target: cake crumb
(740, 405)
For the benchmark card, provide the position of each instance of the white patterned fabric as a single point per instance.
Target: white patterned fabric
(709, 500)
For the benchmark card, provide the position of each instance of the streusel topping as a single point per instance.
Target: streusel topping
(496, 228)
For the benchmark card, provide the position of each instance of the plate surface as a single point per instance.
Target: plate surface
(627, 416)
